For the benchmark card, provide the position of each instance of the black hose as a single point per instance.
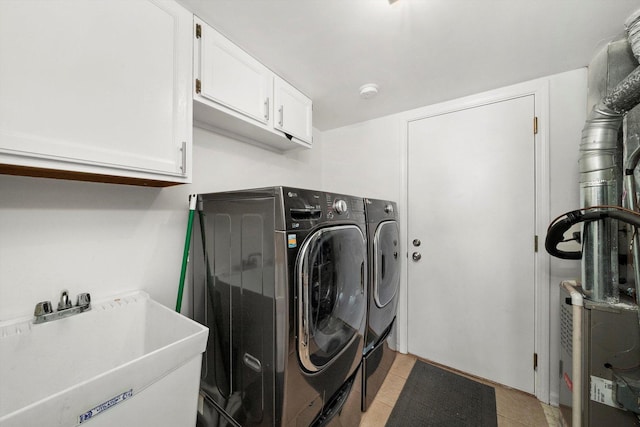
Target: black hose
(555, 233)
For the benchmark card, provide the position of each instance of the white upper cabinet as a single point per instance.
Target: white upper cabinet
(293, 110)
(235, 94)
(232, 78)
(92, 89)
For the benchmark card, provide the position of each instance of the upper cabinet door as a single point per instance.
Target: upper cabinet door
(234, 94)
(232, 78)
(97, 87)
(293, 111)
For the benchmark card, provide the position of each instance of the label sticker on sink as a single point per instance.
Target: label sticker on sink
(104, 406)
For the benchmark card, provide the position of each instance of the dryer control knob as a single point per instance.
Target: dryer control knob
(340, 206)
(388, 209)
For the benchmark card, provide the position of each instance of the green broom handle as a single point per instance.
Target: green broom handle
(187, 244)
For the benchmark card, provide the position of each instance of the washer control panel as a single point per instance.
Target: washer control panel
(306, 208)
(341, 207)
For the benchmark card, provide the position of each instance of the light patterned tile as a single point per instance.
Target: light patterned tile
(520, 407)
(553, 415)
(390, 390)
(508, 422)
(514, 408)
(402, 365)
(377, 414)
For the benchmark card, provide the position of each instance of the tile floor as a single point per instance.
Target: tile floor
(514, 408)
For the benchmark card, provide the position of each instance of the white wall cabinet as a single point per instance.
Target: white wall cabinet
(236, 95)
(232, 78)
(293, 110)
(97, 91)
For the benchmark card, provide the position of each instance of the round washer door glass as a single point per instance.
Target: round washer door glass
(386, 263)
(331, 288)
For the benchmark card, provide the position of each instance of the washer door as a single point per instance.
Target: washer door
(386, 263)
(331, 276)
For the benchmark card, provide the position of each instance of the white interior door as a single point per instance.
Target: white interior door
(471, 193)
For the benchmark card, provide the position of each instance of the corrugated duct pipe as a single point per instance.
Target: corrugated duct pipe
(599, 179)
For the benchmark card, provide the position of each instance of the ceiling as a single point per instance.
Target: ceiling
(419, 52)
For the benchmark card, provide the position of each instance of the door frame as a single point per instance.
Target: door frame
(540, 89)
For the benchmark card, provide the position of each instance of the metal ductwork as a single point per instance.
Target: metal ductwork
(600, 178)
(599, 372)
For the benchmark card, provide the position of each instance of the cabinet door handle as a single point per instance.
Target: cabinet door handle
(281, 110)
(183, 152)
(266, 109)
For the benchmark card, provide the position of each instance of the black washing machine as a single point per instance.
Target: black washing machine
(280, 279)
(383, 247)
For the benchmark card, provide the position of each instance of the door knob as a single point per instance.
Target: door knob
(416, 242)
(416, 256)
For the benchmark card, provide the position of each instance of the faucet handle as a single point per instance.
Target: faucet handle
(84, 300)
(65, 302)
(42, 308)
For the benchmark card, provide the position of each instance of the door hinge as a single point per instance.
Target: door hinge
(198, 31)
(535, 360)
(198, 86)
(535, 243)
(535, 125)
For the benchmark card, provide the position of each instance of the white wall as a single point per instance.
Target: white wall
(106, 238)
(568, 105)
(363, 159)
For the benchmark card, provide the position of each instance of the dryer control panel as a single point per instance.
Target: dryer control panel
(305, 209)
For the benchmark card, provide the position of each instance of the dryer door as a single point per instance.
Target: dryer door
(331, 276)
(386, 263)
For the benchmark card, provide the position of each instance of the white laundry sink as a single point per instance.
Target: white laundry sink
(129, 361)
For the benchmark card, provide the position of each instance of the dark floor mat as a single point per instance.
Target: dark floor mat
(435, 397)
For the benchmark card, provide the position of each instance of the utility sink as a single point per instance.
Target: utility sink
(129, 361)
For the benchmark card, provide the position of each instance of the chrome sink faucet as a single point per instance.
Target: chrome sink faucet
(44, 310)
